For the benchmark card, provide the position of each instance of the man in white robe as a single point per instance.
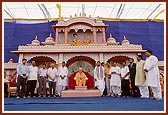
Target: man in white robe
(99, 77)
(152, 74)
(52, 79)
(115, 81)
(62, 78)
(140, 79)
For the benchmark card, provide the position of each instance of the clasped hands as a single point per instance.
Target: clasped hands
(62, 77)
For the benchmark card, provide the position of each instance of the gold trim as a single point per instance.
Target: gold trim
(158, 14)
(101, 18)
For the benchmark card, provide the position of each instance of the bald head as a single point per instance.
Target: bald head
(80, 69)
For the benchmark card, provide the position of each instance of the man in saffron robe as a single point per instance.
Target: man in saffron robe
(80, 78)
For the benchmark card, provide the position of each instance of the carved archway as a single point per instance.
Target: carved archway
(43, 59)
(84, 58)
(51, 56)
(118, 59)
(108, 56)
(94, 56)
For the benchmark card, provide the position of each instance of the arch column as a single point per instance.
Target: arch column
(20, 58)
(66, 36)
(94, 35)
(101, 57)
(60, 58)
(56, 37)
(103, 35)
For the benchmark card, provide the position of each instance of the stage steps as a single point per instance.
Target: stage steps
(81, 92)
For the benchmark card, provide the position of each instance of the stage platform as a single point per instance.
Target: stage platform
(81, 93)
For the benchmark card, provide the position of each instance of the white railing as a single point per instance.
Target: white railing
(90, 47)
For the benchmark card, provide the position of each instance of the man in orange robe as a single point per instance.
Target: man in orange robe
(80, 78)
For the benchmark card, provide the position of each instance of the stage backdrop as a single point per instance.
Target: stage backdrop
(149, 34)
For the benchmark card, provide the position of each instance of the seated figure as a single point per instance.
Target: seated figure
(86, 41)
(75, 41)
(80, 78)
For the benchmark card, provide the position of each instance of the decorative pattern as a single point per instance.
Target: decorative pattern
(94, 56)
(107, 56)
(88, 48)
(79, 19)
(52, 56)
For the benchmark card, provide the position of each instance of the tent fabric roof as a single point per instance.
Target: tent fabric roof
(119, 10)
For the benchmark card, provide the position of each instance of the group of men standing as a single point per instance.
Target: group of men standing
(28, 76)
(132, 80)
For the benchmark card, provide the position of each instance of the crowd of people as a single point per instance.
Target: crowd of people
(28, 76)
(133, 80)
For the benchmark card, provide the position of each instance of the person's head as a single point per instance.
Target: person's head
(102, 64)
(52, 66)
(75, 35)
(63, 63)
(33, 63)
(131, 60)
(24, 61)
(148, 53)
(108, 64)
(139, 57)
(98, 63)
(123, 63)
(80, 69)
(114, 64)
(43, 65)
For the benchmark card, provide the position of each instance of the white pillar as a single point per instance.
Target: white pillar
(101, 57)
(20, 58)
(56, 36)
(60, 58)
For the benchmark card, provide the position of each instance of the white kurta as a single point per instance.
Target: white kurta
(33, 73)
(53, 74)
(100, 83)
(115, 78)
(63, 71)
(152, 76)
(140, 79)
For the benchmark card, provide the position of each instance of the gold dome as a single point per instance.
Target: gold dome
(10, 60)
(49, 40)
(35, 41)
(125, 41)
(111, 40)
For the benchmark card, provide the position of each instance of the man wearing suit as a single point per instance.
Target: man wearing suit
(132, 69)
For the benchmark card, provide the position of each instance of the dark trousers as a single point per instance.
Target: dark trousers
(125, 87)
(5, 90)
(20, 82)
(31, 85)
(135, 89)
(42, 85)
(52, 86)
